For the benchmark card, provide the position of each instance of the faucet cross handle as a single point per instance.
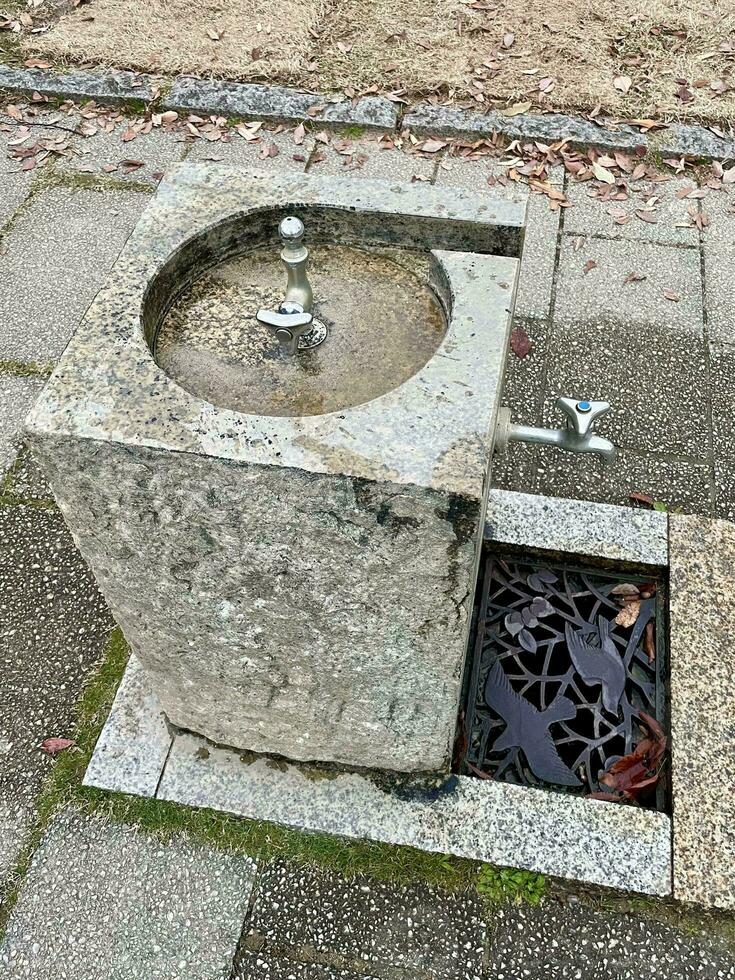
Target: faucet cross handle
(582, 415)
(289, 323)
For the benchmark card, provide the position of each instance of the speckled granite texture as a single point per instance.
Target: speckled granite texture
(604, 843)
(577, 527)
(301, 586)
(702, 659)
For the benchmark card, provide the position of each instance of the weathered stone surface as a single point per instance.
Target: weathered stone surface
(577, 527)
(683, 140)
(702, 639)
(722, 380)
(298, 585)
(242, 153)
(108, 86)
(252, 101)
(550, 127)
(413, 930)
(105, 901)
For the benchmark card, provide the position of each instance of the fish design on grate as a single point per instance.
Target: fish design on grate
(557, 688)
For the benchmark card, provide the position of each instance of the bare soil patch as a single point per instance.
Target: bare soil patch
(667, 59)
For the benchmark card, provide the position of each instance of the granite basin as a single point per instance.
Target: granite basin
(297, 583)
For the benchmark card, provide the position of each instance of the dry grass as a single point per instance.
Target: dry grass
(242, 39)
(453, 48)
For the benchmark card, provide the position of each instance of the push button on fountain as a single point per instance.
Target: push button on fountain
(584, 407)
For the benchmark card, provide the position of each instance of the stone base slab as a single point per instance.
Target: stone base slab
(568, 837)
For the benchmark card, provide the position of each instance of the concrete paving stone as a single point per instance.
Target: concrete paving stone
(719, 284)
(654, 378)
(14, 189)
(702, 708)
(591, 216)
(602, 295)
(413, 928)
(17, 395)
(516, 469)
(553, 941)
(377, 164)
(719, 206)
(157, 150)
(243, 153)
(679, 483)
(722, 366)
(56, 258)
(53, 629)
(106, 902)
(536, 276)
(16, 821)
(25, 479)
(257, 966)
(523, 385)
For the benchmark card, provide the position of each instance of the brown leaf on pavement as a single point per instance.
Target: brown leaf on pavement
(589, 266)
(52, 746)
(520, 342)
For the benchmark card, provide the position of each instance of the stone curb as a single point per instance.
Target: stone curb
(272, 102)
(277, 103)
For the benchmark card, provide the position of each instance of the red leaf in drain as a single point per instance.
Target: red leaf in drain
(649, 643)
(520, 343)
(639, 770)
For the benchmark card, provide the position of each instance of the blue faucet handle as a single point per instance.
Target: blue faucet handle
(582, 415)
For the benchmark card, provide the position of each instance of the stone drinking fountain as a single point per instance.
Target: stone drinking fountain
(280, 482)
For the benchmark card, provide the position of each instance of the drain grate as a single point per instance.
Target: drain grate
(566, 686)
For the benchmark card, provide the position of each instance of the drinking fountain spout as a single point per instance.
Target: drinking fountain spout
(293, 322)
(577, 436)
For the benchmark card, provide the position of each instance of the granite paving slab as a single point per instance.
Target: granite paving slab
(679, 483)
(413, 930)
(722, 381)
(577, 527)
(495, 822)
(131, 751)
(702, 662)
(592, 216)
(106, 902)
(17, 394)
(652, 375)
(54, 261)
(554, 941)
(601, 294)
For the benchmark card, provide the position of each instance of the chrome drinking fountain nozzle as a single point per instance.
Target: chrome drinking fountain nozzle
(577, 436)
(293, 322)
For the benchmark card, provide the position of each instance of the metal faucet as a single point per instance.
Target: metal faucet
(577, 436)
(293, 322)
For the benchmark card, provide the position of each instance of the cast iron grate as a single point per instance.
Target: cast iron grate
(567, 683)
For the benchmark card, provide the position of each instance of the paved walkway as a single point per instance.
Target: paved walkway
(636, 312)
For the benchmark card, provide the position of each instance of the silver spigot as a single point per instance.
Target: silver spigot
(576, 436)
(294, 326)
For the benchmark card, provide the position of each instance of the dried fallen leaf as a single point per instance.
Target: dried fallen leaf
(520, 342)
(508, 39)
(671, 295)
(213, 35)
(622, 83)
(649, 643)
(648, 216)
(633, 277)
(299, 134)
(516, 109)
(589, 266)
(629, 613)
(625, 588)
(432, 146)
(54, 745)
(546, 84)
(602, 173)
